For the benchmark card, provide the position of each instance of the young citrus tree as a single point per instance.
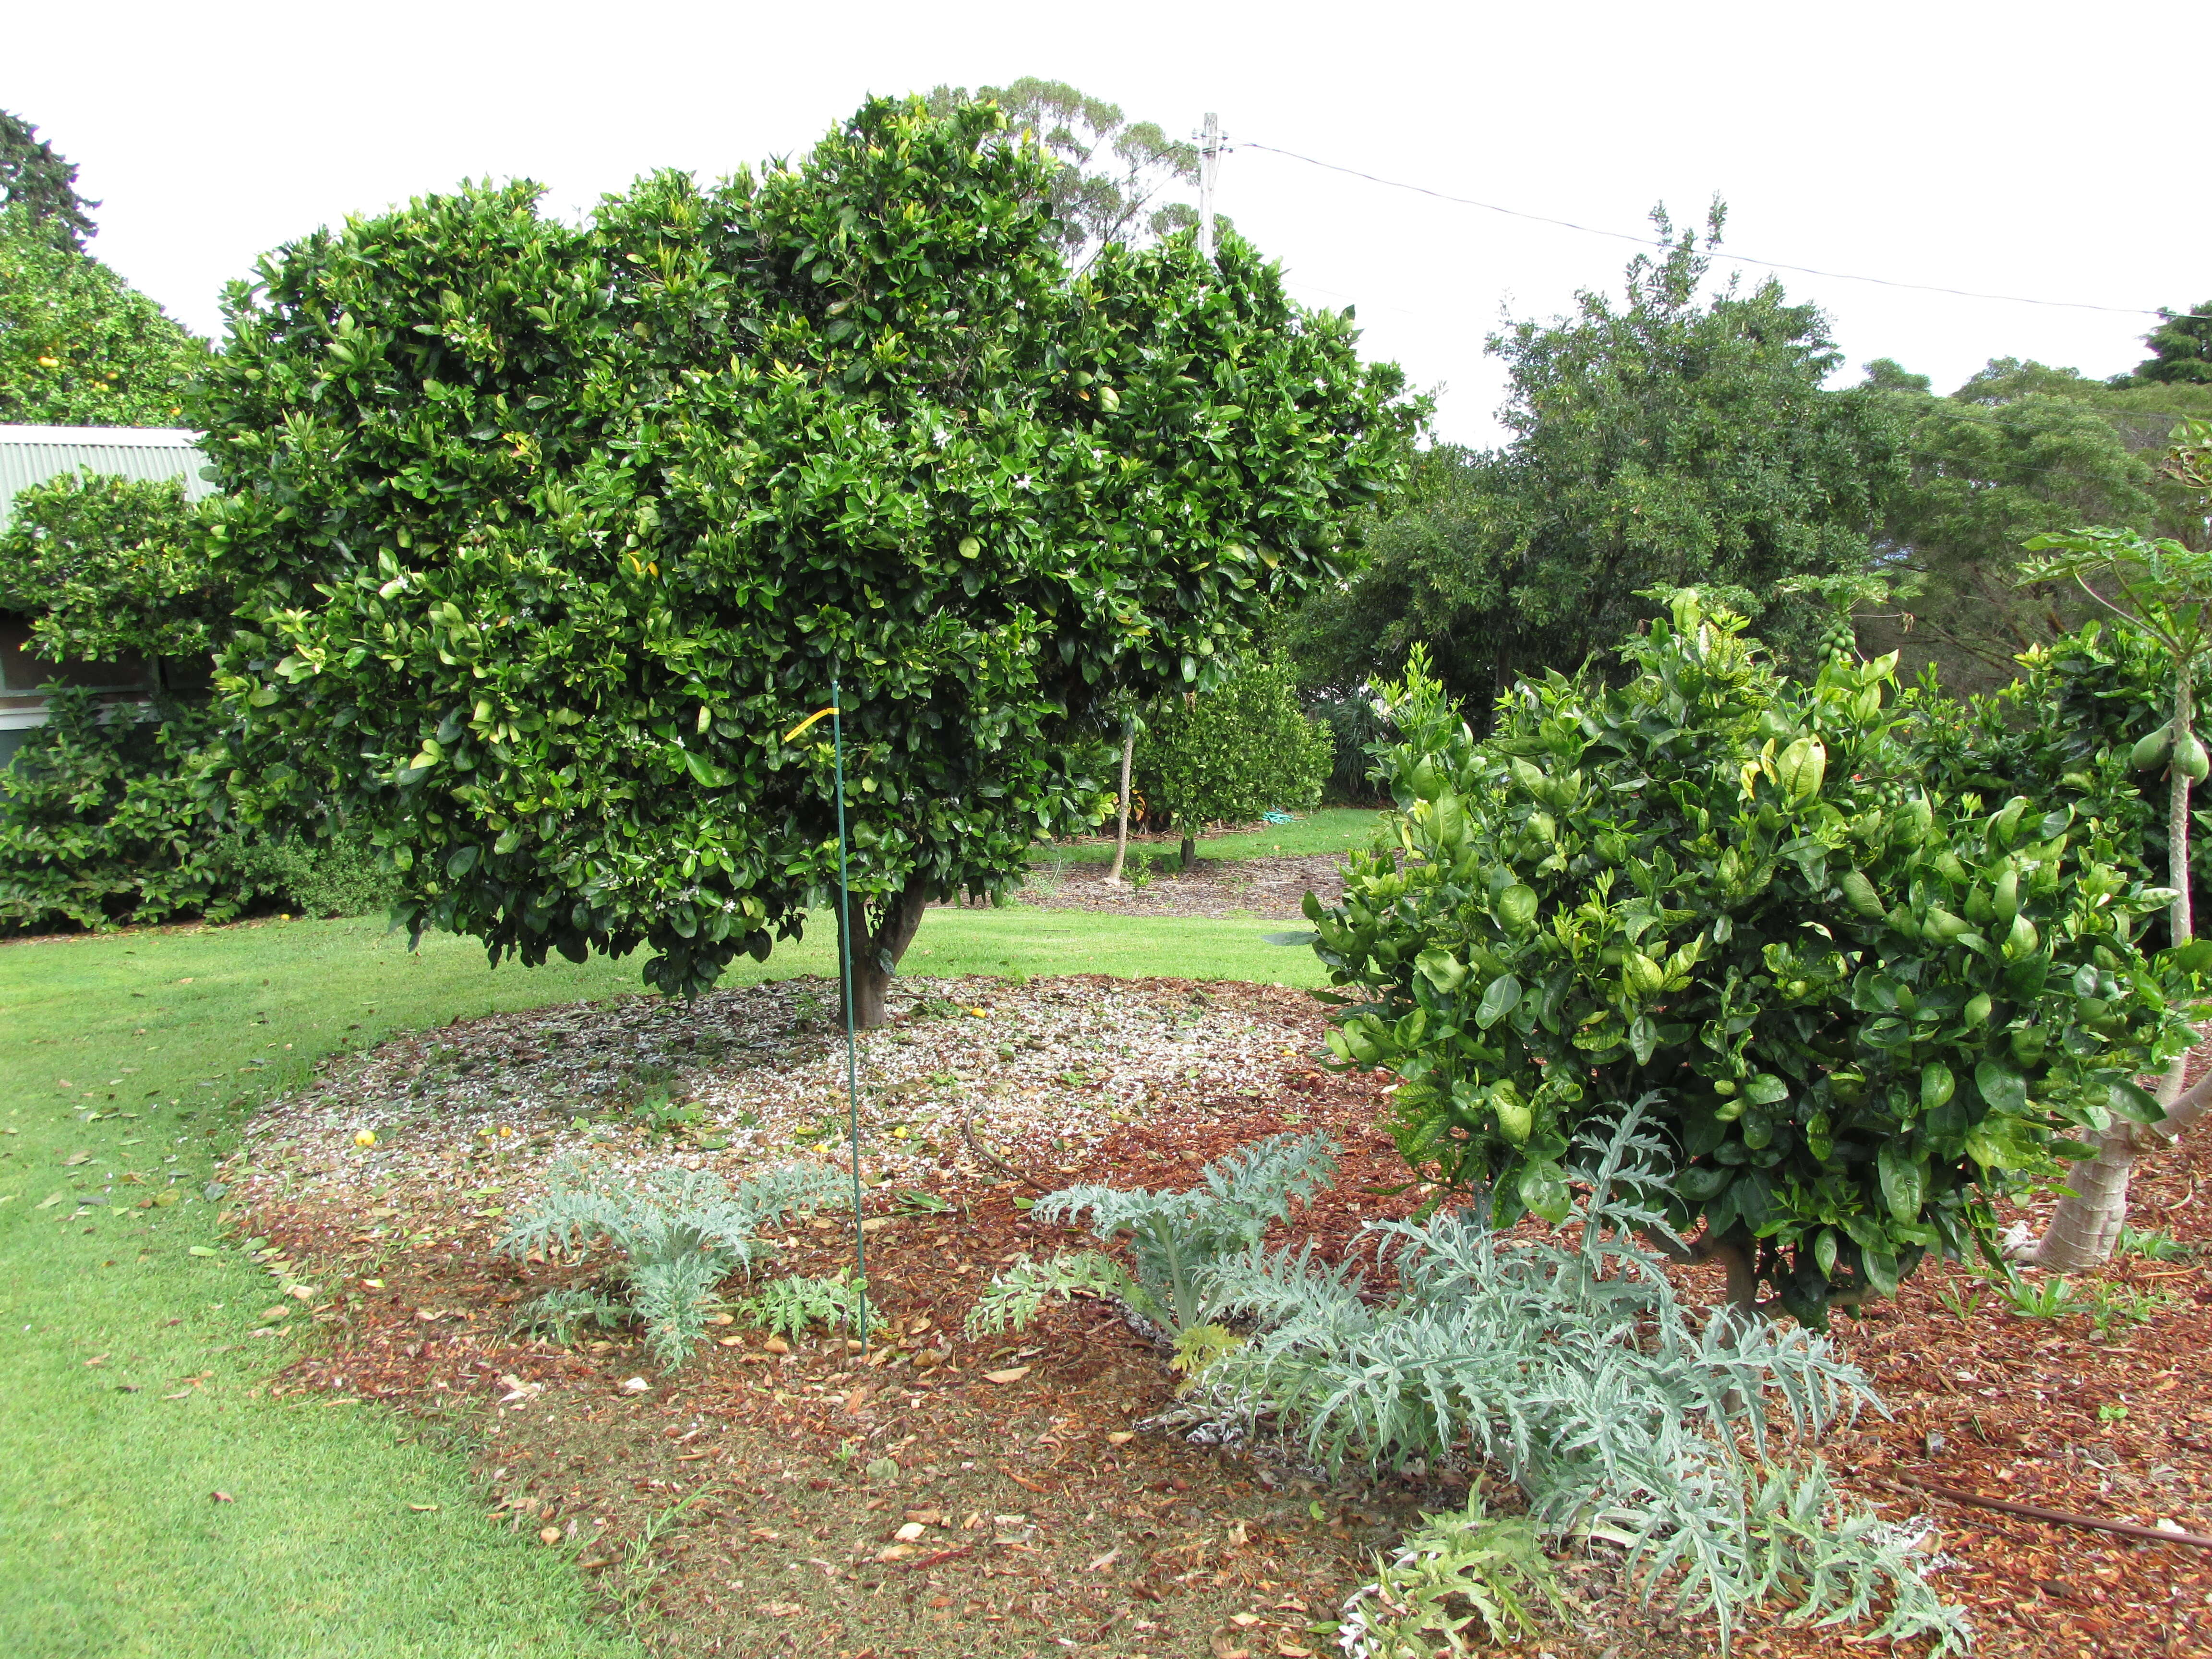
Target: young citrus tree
(1232, 753)
(2162, 590)
(548, 535)
(1859, 1007)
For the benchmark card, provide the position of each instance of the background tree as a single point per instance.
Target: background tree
(78, 345)
(41, 183)
(2163, 591)
(1982, 478)
(1229, 755)
(1111, 176)
(563, 527)
(2021, 449)
(1427, 579)
(1114, 174)
(2180, 350)
(1664, 439)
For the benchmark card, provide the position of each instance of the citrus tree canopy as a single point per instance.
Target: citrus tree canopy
(79, 346)
(548, 536)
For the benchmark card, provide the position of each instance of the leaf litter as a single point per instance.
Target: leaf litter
(937, 1496)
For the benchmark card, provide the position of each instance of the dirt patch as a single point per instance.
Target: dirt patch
(1273, 889)
(1024, 1509)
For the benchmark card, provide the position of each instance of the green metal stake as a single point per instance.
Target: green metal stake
(852, 1043)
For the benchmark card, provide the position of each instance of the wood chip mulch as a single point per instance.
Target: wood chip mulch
(744, 1505)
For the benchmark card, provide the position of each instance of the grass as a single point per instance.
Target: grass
(347, 1530)
(1330, 830)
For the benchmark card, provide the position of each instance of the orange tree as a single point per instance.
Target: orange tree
(546, 535)
(1857, 1006)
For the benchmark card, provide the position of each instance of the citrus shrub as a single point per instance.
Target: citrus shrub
(1863, 1008)
(2069, 729)
(1232, 754)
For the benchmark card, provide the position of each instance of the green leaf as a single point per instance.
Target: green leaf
(1765, 1089)
(1880, 1269)
(1543, 1187)
(1642, 1038)
(1998, 1143)
(2004, 1089)
(1516, 907)
(1904, 1181)
(704, 772)
(1500, 998)
(2130, 1100)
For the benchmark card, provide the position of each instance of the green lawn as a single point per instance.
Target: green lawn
(113, 1544)
(1331, 829)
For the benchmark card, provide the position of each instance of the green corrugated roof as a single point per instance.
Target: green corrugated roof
(32, 454)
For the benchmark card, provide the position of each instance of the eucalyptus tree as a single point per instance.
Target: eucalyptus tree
(1114, 178)
(546, 537)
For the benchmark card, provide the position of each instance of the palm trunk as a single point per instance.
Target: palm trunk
(1122, 823)
(2086, 1227)
(875, 953)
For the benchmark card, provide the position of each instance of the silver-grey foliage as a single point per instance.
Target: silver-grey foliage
(680, 1233)
(786, 1307)
(1576, 1372)
(1177, 1241)
(560, 1313)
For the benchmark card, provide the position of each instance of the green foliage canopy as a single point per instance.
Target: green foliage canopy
(2180, 350)
(101, 821)
(2021, 449)
(78, 345)
(1232, 753)
(35, 178)
(109, 567)
(1860, 1006)
(1672, 438)
(548, 535)
(1983, 478)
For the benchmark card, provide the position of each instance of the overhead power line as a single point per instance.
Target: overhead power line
(1647, 241)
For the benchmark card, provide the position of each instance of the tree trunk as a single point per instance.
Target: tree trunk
(1121, 825)
(2087, 1224)
(1190, 851)
(875, 953)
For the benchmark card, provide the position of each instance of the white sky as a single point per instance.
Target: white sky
(2023, 148)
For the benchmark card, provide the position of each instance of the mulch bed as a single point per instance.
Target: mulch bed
(731, 1508)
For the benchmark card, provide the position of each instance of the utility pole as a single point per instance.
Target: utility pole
(1209, 165)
